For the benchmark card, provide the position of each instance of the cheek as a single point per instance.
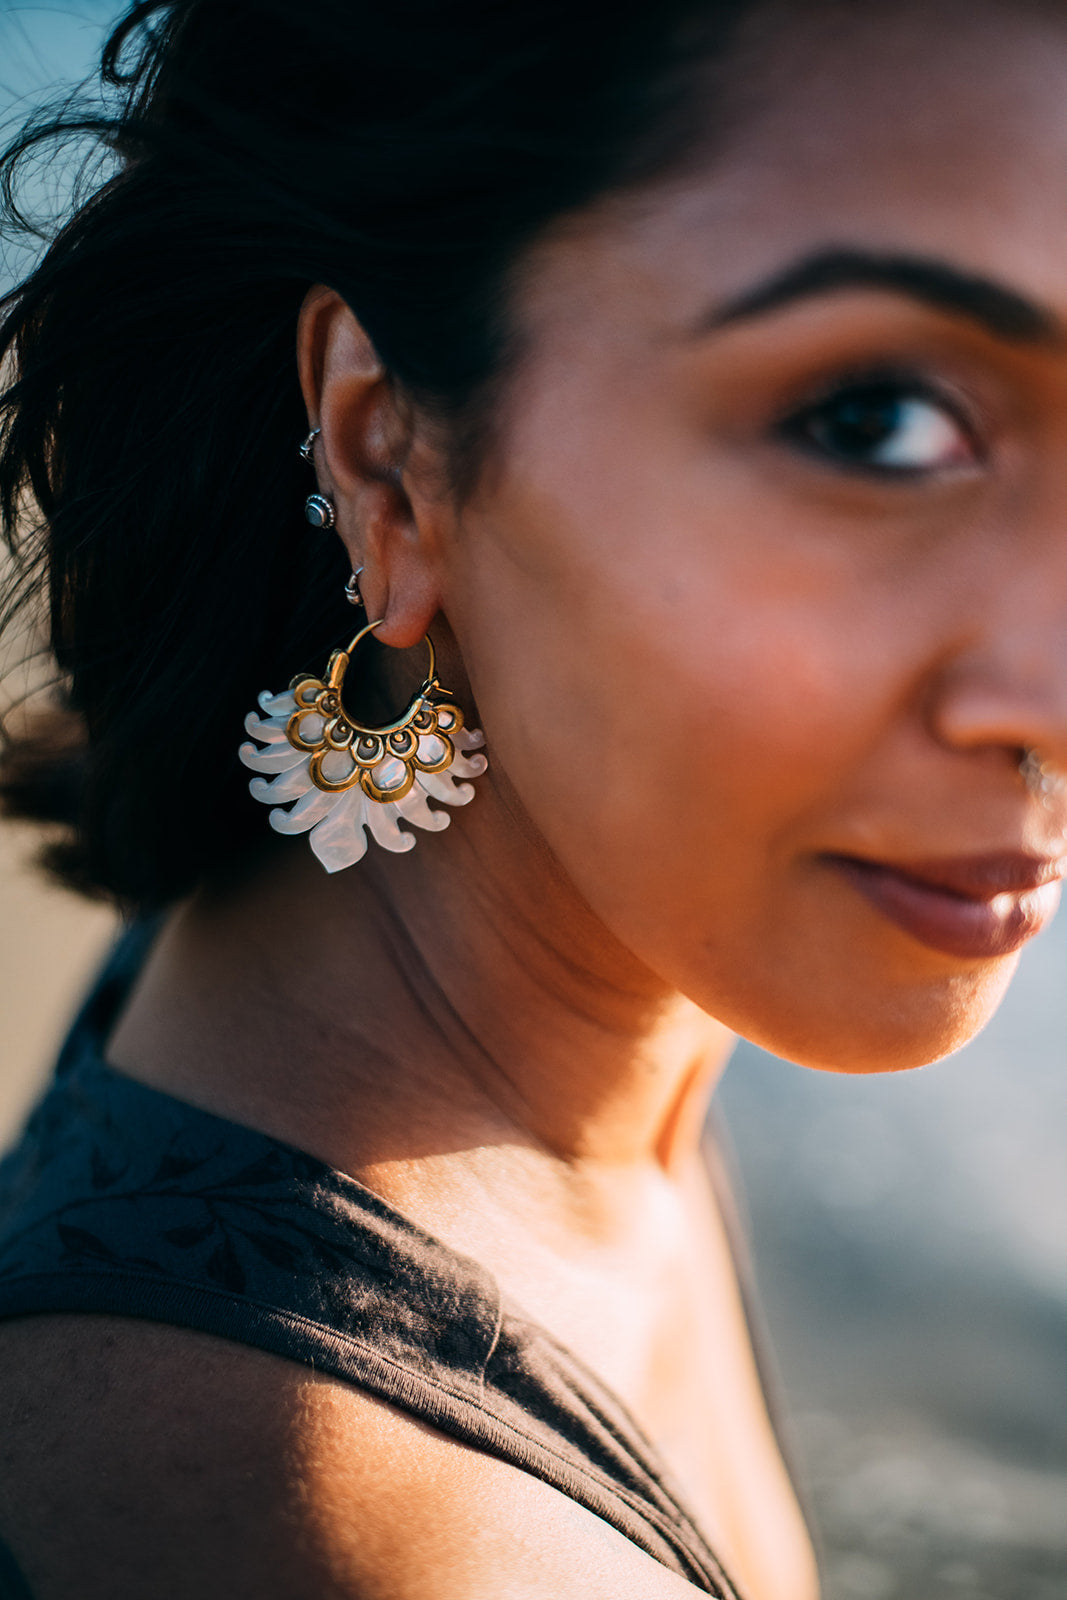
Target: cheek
(665, 662)
(688, 755)
(668, 739)
(689, 684)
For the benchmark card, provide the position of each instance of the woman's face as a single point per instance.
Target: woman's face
(766, 593)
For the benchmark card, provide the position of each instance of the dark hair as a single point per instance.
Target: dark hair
(149, 480)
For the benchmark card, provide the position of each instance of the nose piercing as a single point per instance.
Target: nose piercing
(1041, 777)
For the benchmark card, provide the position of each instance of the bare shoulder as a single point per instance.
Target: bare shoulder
(163, 1464)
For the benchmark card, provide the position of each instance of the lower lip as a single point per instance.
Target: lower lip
(976, 930)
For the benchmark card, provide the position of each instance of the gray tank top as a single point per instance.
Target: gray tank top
(122, 1199)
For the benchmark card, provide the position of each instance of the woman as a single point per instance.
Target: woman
(693, 376)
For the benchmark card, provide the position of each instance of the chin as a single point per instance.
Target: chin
(872, 1033)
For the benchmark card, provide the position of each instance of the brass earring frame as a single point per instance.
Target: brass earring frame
(370, 746)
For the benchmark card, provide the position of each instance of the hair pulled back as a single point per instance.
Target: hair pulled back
(150, 486)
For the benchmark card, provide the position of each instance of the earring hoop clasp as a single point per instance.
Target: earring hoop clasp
(307, 690)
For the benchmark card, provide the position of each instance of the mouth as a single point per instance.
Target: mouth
(973, 907)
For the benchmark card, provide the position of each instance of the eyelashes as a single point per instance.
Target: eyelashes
(886, 425)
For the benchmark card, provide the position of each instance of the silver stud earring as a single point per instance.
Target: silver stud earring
(318, 509)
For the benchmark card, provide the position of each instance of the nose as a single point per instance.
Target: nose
(999, 692)
(978, 709)
(1007, 690)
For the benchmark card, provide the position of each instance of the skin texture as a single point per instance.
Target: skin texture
(276, 1458)
(708, 657)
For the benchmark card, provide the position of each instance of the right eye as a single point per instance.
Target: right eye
(885, 427)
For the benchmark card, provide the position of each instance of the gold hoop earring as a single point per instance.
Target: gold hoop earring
(349, 778)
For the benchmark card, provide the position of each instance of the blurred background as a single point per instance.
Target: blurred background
(910, 1232)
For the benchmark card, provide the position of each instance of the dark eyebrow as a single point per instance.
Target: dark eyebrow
(996, 308)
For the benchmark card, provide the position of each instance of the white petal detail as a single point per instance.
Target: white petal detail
(337, 766)
(277, 705)
(443, 787)
(339, 823)
(277, 758)
(270, 729)
(309, 809)
(468, 766)
(310, 726)
(290, 786)
(383, 825)
(416, 809)
(431, 748)
(389, 774)
(339, 840)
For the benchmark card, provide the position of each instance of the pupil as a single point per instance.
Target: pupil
(859, 424)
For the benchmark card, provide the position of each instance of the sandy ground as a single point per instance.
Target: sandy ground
(50, 942)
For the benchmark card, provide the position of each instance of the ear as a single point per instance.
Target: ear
(360, 457)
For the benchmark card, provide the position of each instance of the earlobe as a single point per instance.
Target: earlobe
(398, 582)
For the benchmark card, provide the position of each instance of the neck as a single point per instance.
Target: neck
(437, 1002)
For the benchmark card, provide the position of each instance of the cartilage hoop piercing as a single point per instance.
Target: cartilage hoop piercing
(307, 449)
(352, 594)
(318, 509)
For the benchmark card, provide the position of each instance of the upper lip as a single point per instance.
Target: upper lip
(978, 877)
